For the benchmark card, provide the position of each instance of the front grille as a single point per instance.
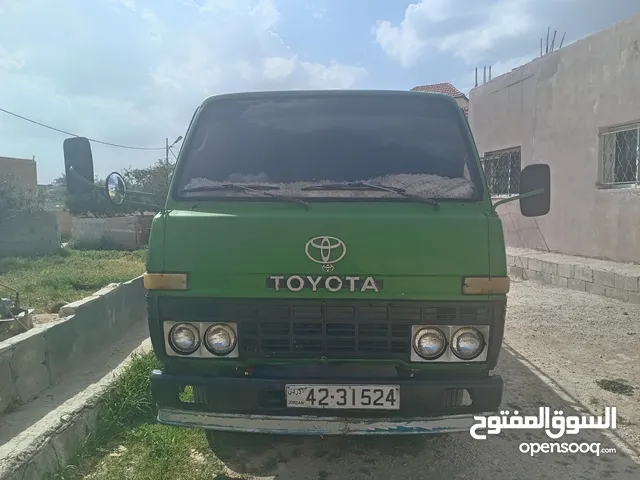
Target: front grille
(339, 330)
(324, 338)
(331, 329)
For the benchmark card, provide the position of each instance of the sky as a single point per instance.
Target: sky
(132, 72)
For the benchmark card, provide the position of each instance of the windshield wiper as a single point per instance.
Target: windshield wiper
(228, 186)
(370, 186)
(259, 189)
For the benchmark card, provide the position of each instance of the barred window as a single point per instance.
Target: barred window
(620, 155)
(502, 170)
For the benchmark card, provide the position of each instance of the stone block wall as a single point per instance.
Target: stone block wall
(35, 360)
(29, 234)
(615, 280)
(127, 233)
(64, 222)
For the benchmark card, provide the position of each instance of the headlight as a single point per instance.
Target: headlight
(220, 339)
(429, 343)
(467, 343)
(184, 338)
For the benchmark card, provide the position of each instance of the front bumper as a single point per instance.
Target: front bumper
(258, 405)
(311, 425)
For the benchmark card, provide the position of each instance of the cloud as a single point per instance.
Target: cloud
(133, 71)
(472, 31)
(316, 12)
(11, 60)
(466, 81)
(462, 28)
(504, 66)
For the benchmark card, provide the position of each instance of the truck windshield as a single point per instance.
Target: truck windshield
(297, 142)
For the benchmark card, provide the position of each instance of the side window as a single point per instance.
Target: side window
(502, 170)
(620, 155)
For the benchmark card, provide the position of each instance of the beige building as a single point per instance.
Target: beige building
(22, 170)
(578, 110)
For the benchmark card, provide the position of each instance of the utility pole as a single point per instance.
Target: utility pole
(166, 156)
(168, 147)
(166, 153)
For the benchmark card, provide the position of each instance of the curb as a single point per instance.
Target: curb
(41, 357)
(71, 424)
(598, 277)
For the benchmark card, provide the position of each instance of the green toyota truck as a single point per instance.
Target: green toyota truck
(326, 262)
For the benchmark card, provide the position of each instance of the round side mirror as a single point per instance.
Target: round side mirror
(116, 188)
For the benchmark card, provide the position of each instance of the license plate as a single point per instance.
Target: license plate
(367, 397)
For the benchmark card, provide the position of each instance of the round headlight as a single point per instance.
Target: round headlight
(220, 339)
(184, 338)
(467, 343)
(429, 343)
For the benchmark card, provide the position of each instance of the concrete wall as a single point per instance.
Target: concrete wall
(128, 233)
(23, 171)
(519, 231)
(65, 221)
(35, 360)
(29, 234)
(555, 108)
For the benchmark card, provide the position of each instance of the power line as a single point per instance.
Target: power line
(174, 155)
(74, 135)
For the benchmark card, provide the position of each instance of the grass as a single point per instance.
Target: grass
(619, 386)
(67, 276)
(127, 403)
(128, 443)
(150, 451)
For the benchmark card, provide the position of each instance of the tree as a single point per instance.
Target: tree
(15, 199)
(154, 179)
(95, 203)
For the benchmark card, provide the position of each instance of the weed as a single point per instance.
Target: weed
(619, 386)
(67, 276)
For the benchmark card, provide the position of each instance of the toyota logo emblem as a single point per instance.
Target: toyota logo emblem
(326, 251)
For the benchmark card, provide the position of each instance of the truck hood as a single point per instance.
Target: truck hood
(409, 250)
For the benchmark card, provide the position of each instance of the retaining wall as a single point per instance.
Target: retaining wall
(29, 234)
(601, 277)
(64, 222)
(128, 233)
(35, 360)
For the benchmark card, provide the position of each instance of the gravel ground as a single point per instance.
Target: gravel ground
(560, 345)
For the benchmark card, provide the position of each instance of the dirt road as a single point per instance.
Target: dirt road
(563, 349)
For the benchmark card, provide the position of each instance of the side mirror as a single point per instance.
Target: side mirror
(116, 188)
(78, 165)
(535, 177)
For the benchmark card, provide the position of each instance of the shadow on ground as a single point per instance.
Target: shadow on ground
(454, 456)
